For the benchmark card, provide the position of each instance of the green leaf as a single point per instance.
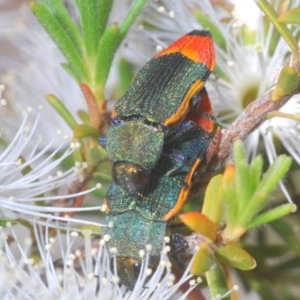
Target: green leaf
(126, 74)
(88, 15)
(200, 223)
(105, 54)
(275, 173)
(84, 130)
(96, 155)
(62, 38)
(286, 84)
(290, 17)
(202, 260)
(228, 190)
(242, 176)
(272, 15)
(61, 14)
(62, 110)
(103, 11)
(133, 12)
(255, 171)
(272, 215)
(270, 179)
(212, 204)
(257, 203)
(110, 41)
(84, 116)
(235, 256)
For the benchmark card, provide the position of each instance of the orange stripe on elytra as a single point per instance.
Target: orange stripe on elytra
(197, 48)
(184, 192)
(105, 204)
(113, 113)
(184, 105)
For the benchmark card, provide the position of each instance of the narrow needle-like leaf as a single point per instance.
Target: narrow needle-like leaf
(61, 38)
(60, 12)
(103, 11)
(272, 215)
(266, 7)
(134, 10)
(62, 110)
(88, 15)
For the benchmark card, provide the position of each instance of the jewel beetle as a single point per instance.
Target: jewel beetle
(152, 111)
(144, 218)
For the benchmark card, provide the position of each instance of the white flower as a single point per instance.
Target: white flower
(69, 267)
(30, 168)
(30, 69)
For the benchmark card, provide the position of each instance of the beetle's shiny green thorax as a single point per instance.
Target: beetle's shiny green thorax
(134, 148)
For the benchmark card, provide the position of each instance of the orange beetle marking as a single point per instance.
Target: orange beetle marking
(198, 48)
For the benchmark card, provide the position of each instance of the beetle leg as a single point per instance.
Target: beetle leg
(178, 158)
(182, 131)
(102, 142)
(179, 248)
(115, 121)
